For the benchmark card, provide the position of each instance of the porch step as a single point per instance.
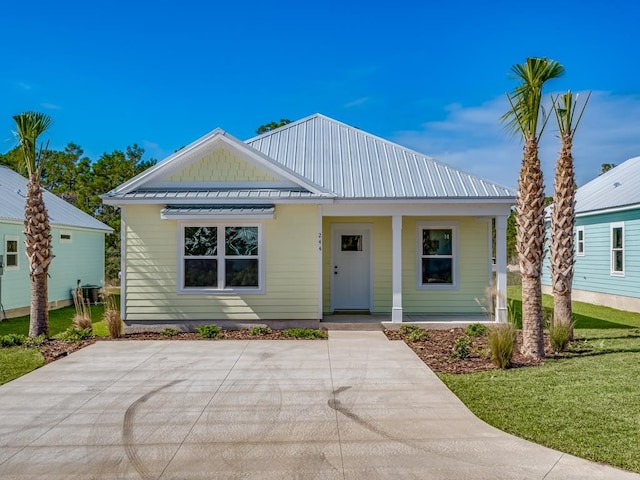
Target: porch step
(355, 327)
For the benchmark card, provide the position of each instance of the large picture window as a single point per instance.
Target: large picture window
(221, 258)
(617, 249)
(436, 256)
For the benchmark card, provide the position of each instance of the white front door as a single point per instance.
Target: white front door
(351, 267)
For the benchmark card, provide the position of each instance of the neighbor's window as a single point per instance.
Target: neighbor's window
(11, 252)
(436, 256)
(617, 249)
(221, 257)
(580, 241)
(65, 237)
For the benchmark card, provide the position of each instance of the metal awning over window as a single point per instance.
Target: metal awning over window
(216, 212)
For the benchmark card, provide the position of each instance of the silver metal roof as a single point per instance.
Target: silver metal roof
(355, 164)
(13, 188)
(619, 187)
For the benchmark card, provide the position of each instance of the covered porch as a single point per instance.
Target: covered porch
(424, 264)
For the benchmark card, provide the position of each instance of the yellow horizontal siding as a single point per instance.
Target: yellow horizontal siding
(291, 282)
(221, 166)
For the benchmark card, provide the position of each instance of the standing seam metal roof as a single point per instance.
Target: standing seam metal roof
(616, 188)
(355, 164)
(13, 188)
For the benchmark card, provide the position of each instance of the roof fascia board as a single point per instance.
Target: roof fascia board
(117, 202)
(67, 226)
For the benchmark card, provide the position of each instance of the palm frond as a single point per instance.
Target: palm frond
(30, 125)
(564, 107)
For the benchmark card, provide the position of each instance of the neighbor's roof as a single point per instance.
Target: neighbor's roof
(614, 189)
(317, 157)
(13, 188)
(352, 163)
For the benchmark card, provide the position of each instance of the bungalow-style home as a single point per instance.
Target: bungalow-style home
(78, 246)
(607, 240)
(311, 219)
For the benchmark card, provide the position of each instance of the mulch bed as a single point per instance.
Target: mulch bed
(435, 351)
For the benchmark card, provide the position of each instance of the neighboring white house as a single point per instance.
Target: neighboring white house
(313, 218)
(78, 246)
(607, 240)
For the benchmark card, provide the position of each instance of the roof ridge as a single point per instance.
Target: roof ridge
(284, 127)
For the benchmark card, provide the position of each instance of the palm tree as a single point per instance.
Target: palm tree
(30, 125)
(563, 217)
(523, 118)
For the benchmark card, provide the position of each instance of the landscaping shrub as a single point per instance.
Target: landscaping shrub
(35, 341)
(169, 332)
(260, 330)
(82, 322)
(476, 330)
(502, 338)
(407, 329)
(418, 335)
(72, 335)
(304, 333)
(461, 347)
(12, 340)
(209, 331)
(559, 335)
(112, 317)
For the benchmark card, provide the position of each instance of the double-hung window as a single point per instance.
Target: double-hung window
(221, 258)
(617, 249)
(11, 252)
(437, 256)
(580, 241)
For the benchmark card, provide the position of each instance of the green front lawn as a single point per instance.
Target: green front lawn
(59, 321)
(16, 361)
(586, 403)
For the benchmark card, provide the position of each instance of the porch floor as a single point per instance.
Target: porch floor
(380, 322)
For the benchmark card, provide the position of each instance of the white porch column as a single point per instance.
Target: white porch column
(501, 269)
(396, 265)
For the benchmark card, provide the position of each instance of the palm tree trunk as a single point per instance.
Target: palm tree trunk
(530, 233)
(38, 250)
(562, 244)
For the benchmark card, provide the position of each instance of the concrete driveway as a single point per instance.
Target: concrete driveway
(355, 407)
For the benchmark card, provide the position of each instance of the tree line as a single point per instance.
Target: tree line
(79, 180)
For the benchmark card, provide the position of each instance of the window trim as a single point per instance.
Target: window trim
(578, 242)
(221, 257)
(453, 226)
(612, 227)
(11, 238)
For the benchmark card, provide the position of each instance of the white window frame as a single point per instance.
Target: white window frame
(12, 238)
(453, 226)
(65, 240)
(579, 242)
(221, 289)
(614, 226)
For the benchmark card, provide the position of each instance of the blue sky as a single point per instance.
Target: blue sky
(429, 75)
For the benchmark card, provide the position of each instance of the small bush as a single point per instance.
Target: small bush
(461, 347)
(476, 330)
(82, 322)
(12, 340)
(304, 333)
(169, 332)
(559, 336)
(407, 329)
(209, 331)
(418, 335)
(502, 338)
(35, 341)
(260, 330)
(72, 335)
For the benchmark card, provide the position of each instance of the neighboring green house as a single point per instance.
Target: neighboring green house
(310, 219)
(607, 240)
(78, 246)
